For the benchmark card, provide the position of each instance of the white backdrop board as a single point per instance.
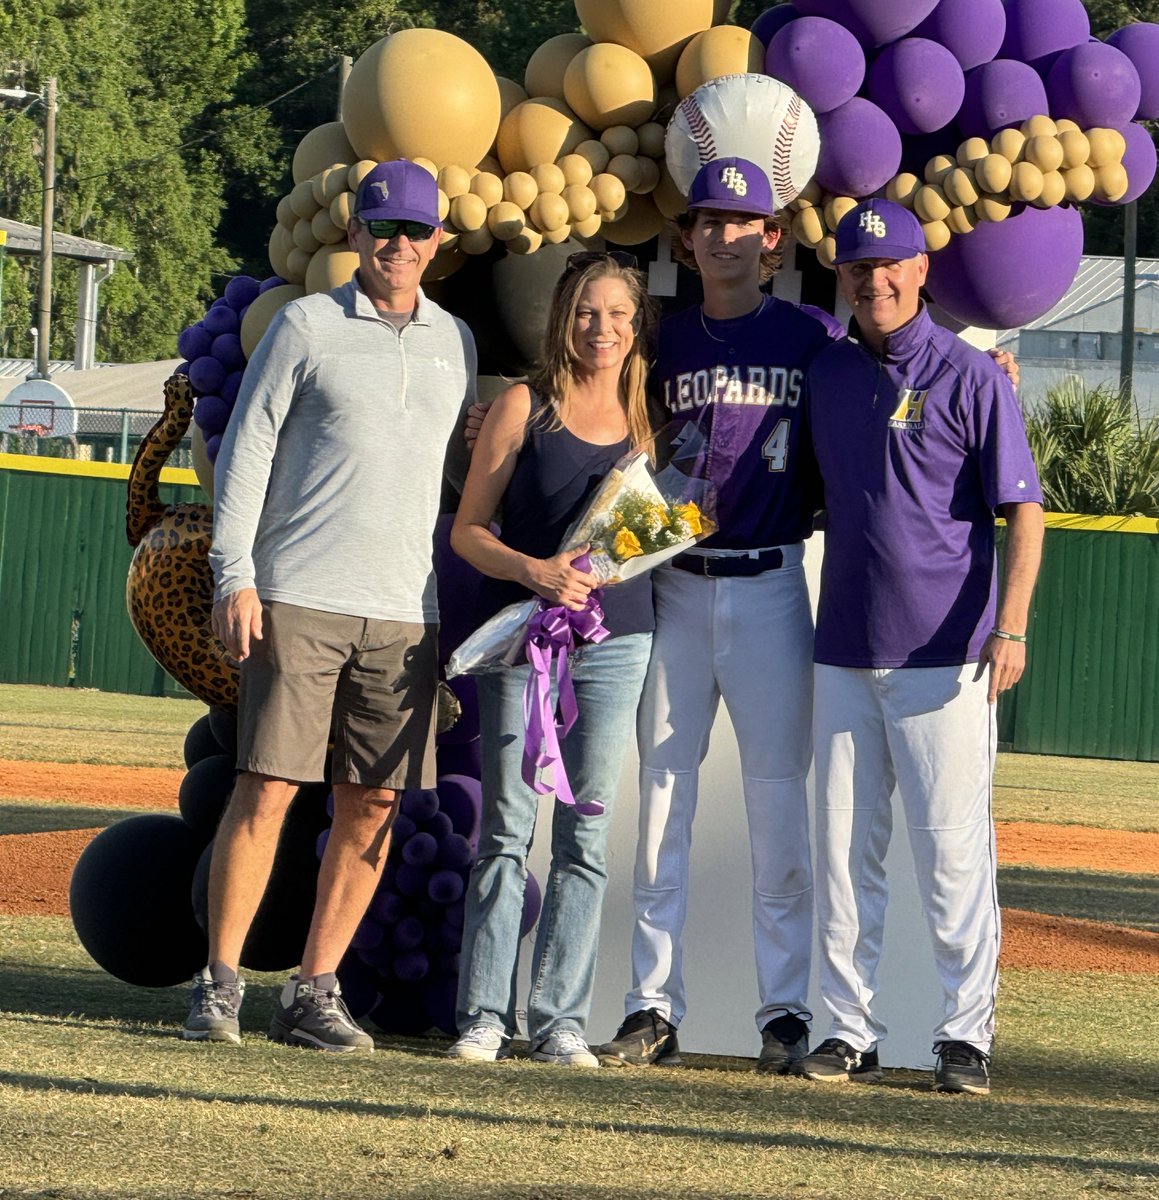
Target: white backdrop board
(718, 957)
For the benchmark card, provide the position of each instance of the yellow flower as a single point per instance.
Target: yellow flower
(626, 545)
(690, 515)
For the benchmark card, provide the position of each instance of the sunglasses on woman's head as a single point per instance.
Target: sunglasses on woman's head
(388, 230)
(587, 258)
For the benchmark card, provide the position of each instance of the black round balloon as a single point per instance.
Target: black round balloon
(277, 936)
(224, 726)
(205, 792)
(129, 899)
(200, 742)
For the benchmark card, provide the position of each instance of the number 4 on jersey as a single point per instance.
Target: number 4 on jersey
(776, 447)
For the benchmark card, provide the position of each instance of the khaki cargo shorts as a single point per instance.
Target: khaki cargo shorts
(370, 684)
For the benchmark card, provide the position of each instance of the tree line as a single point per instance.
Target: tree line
(177, 125)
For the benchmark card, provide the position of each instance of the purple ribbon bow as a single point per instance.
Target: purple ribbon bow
(551, 636)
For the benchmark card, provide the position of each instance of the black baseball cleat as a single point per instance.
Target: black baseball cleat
(644, 1039)
(835, 1061)
(961, 1068)
(784, 1044)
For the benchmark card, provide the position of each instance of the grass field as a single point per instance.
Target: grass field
(99, 1098)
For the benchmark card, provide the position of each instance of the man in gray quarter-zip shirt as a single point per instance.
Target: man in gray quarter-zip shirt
(328, 486)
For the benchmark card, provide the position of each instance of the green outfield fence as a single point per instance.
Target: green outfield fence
(1091, 687)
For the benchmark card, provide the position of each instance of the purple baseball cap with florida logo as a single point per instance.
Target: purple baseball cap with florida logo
(398, 191)
(732, 184)
(879, 229)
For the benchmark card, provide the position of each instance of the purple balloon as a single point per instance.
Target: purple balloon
(403, 828)
(407, 934)
(368, 935)
(879, 22)
(1093, 85)
(445, 887)
(420, 850)
(1007, 273)
(206, 375)
(211, 414)
(459, 585)
(220, 319)
(439, 997)
(439, 826)
(359, 985)
(324, 836)
(455, 852)
(461, 798)
(1036, 28)
(387, 907)
(212, 447)
(411, 880)
(456, 914)
(273, 282)
(1140, 43)
(1139, 160)
(860, 149)
(819, 59)
(918, 84)
(227, 350)
(241, 291)
(972, 30)
(1000, 94)
(411, 966)
(460, 758)
(532, 903)
(230, 385)
(772, 20)
(194, 342)
(420, 804)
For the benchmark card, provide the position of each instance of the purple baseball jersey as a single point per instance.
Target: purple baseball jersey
(742, 383)
(917, 448)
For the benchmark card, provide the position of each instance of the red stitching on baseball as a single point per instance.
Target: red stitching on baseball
(700, 130)
(782, 152)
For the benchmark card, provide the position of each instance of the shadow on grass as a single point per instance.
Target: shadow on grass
(50, 818)
(1129, 900)
(765, 1139)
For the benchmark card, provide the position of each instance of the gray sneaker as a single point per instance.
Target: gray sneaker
(213, 1014)
(565, 1048)
(481, 1043)
(311, 1013)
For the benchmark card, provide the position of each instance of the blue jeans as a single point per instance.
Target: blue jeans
(608, 678)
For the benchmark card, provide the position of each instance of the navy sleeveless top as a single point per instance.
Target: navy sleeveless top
(555, 476)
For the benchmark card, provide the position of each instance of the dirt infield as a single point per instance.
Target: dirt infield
(35, 867)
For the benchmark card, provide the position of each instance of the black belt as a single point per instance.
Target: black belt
(726, 566)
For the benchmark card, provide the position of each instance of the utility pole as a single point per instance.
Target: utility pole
(44, 293)
(345, 62)
(1127, 357)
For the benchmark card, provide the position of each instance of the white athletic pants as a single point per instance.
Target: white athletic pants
(930, 732)
(749, 640)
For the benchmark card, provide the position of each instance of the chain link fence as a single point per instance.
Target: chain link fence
(88, 434)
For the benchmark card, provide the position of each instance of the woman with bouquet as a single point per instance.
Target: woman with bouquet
(545, 448)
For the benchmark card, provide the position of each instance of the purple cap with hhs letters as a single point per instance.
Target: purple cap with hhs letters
(398, 191)
(733, 184)
(879, 229)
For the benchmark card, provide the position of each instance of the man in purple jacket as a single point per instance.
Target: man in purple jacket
(920, 442)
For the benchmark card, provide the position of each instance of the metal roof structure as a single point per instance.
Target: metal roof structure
(25, 239)
(1099, 280)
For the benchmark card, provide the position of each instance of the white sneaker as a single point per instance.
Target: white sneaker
(565, 1048)
(481, 1043)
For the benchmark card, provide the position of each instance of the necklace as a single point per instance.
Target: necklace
(760, 308)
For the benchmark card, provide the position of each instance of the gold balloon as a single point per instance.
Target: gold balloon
(938, 168)
(597, 154)
(930, 205)
(835, 208)
(476, 241)
(1075, 148)
(1080, 182)
(281, 243)
(1045, 151)
(609, 85)
(1111, 182)
(297, 264)
(611, 195)
(454, 180)
(649, 171)
(1107, 146)
(620, 139)
(667, 197)
(520, 188)
(937, 235)
(359, 172)
(488, 187)
(506, 220)
(510, 94)
(330, 267)
(577, 171)
(431, 169)
(722, 50)
(322, 147)
(901, 189)
(651, 138)
(468, 212)
(447, 260)
(972, 151)
(553, 237)
(992, 208)
(589, 227)
(538, 131)
(994, 172)
(342, 209)
(960, 188)
(322, 226)
(826, 251)
(1053, 190)
(657, 30)
(962, 219)
(549, 212)
(639, 222)
(808, 227)
(581, 201)
(626, 169)
(526, 241)
(547, 65)
(329, 183)
(1025, 182)
(303, 235)
(421, 92)
(1040, 126)
(548, 178)
(287, 217)
(262, 311)
(1010, 143)
(302, 199)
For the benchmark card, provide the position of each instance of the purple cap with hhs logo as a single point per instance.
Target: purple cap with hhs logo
(398, 191)
(734, 184)
(879, 229)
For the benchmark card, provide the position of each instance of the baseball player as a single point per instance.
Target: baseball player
(920, 441)
(732, 621)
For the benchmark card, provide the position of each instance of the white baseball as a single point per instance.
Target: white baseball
(746, 116)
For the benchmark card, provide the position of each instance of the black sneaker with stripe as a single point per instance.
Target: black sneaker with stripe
(644, 1039)
(835, 1061)
(961, 1067)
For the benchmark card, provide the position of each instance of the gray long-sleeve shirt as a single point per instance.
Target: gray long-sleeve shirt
(327, 483)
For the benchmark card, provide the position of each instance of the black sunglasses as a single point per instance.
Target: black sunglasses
(587, 258)
(388, 230)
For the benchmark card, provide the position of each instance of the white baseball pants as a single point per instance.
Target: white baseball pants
(748, 640)
(930, 732)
